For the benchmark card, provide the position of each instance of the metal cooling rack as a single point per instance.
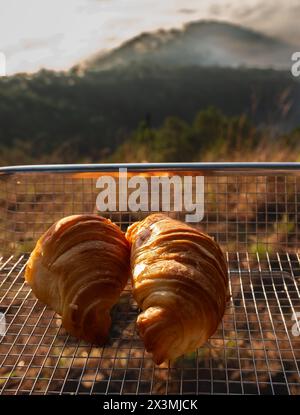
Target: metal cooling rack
(256, 350)
(251, 209)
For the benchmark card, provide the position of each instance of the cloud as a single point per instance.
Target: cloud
(59, 33)
(187, 11)
(279, 19)
(215, 9)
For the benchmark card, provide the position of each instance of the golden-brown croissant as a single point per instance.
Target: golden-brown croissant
(79, 268)
(180, 282)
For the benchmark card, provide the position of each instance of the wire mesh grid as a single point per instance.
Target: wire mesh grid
(242, 212)
(256, 349)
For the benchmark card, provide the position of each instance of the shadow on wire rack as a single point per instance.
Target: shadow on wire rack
(256, 349)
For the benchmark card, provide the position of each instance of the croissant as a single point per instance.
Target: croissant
(79, 268)
(180, 281)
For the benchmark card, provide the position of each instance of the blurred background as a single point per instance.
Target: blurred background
(157, 81)
(125, 81)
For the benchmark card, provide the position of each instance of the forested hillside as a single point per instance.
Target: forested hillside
(201, 43)
(68, 117)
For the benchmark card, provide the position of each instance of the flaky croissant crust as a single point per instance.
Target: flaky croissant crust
(180, 281)
(79, 268)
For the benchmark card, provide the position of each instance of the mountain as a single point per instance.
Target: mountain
(88, 112)
(201, 43)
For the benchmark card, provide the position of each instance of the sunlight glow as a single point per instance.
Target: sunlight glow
(57, 34)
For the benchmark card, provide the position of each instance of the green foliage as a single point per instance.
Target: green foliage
(68, 117)
(172, 141)
(209, 126)
(176, 140)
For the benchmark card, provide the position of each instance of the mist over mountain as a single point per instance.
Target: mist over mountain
(90, 112)
(201, 43)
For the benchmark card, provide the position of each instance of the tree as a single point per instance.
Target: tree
(172, 141)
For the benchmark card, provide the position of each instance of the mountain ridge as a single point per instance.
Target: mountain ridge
(201, 43)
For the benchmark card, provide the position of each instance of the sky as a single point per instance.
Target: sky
(56, 34)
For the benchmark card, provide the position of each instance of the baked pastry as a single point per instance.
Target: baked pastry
(79, 268)
(180, 281)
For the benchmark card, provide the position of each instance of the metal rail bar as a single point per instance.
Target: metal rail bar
(112, 167)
